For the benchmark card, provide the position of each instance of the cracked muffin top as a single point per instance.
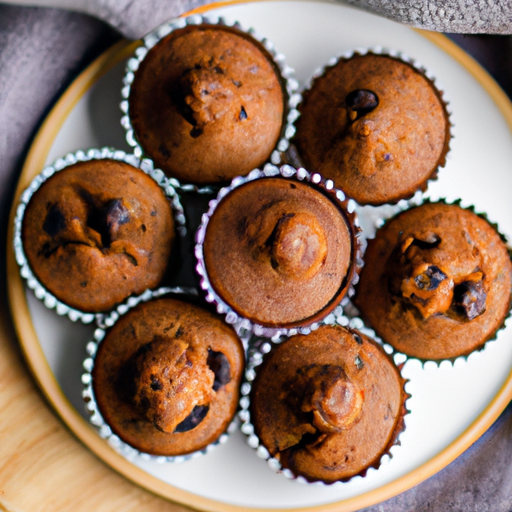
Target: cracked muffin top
(207, 104)
(97, 232)
(166, 377)
(279, 251)
(437, 282)
(328, 405)
(376, 126)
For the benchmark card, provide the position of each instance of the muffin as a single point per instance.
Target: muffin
(279, 252)
(327, 406)
(374, 124)
(437, 282)
(166, 377)
(96, 232)
(207, 103)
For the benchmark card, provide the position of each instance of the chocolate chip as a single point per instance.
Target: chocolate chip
(156, 384)
(107, 219)
(197, 415)
(116, 213)
(361, 101)
(219, 365)
(54, 221)
(196, 132)
(243, 114)
(430, 279)
(469, 299)
(162, 149)
(357, 338)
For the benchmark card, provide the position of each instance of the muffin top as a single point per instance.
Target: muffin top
(96, 232)
(207, 104)
(166, 377)
(278, 251)
(376, 126)
(436, 282)
(328, 405)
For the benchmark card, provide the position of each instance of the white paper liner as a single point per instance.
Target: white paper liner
(146, 165)
(95, 416)
(287, 76)
(382, 214)
(257, 350)
(293, 155)
(243, 325)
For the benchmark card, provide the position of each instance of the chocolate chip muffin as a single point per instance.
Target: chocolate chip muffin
(207, 103)
(166, 377)
(280, 252)
(376, 125)
(437, 282)
(96, 232)
(328, 405)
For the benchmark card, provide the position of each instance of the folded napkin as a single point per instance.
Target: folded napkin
(134, 18)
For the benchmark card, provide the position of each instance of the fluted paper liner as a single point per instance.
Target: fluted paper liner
(245, 325)
(388, 215)
(261, 346)
(95, 416)
(292, 155)
(287, 75)
(146, 165)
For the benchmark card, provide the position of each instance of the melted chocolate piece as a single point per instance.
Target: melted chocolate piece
(469, 299)
(430, 279)
(107, 219)
(361, 101)
(219, 365)
(54, 221)
(197, 415)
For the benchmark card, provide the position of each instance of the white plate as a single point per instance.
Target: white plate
(451, 406)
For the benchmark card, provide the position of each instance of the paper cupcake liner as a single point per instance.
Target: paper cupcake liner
(258, 348)
(245, 326)
(146, 165)
(352, 311)
(292, 155)
(289, 82)
(95, 416)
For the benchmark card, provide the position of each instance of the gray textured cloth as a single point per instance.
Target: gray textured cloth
(456, 16)
(134, 18)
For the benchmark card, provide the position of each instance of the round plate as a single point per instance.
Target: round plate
(451, 405)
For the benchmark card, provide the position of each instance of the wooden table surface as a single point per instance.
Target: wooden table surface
(42, 466)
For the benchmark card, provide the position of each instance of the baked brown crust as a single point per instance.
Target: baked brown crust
(277, 251)
(332, 362)
(207, 104)
(97, 232)
(437, 282)
(377, 149)
(156, 364)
